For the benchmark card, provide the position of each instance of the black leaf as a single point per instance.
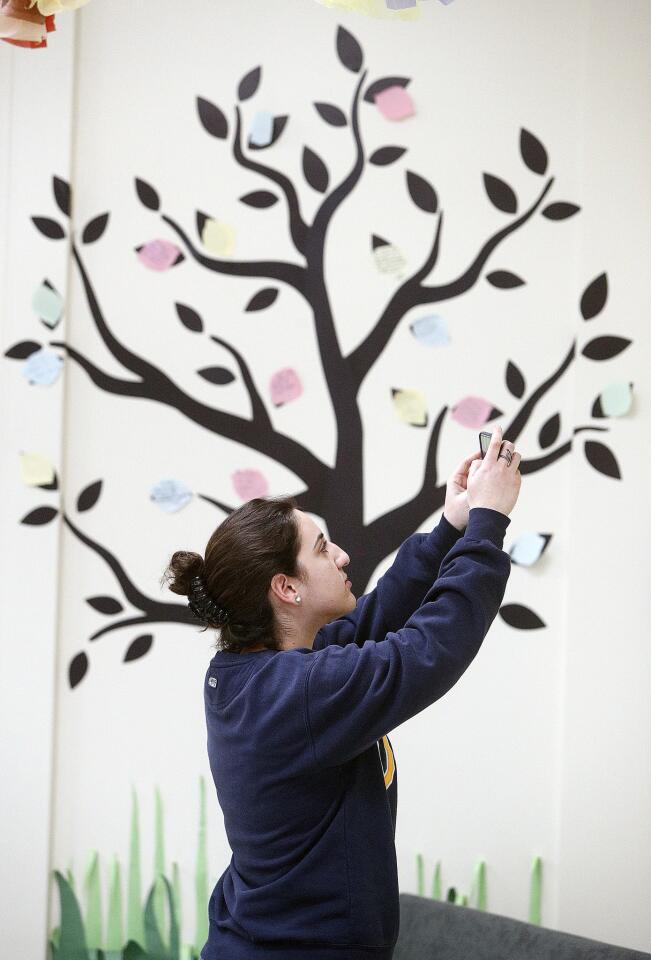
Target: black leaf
(49, 228)
(602, 459)
(503, 279)
(500, 194)
(594, 297)
(386, 155)
(349, 50)
(533, 152)
(249, 84)
(605, 348)
(62, 194)
(422, 193)
(560, 211)
(212, 119)
(514, 380)
(331, 114)
(94, 230)
(520, 617)
(105, 604)
(77, 669)
(40, 515)
(52, 485)
(189, 318)
(139, 647)
(259, 199)
(201, 222)
(262, 299)
(278, 127)
(378, 242)
(384, 84)
(147, 195)
(597, 409)
(315, 170)
(549, 431)
(89, 497)
(218, 375)
(22, 350)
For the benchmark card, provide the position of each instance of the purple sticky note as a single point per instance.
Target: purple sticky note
(400, 4)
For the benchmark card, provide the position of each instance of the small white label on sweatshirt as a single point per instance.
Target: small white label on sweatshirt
(212, 681)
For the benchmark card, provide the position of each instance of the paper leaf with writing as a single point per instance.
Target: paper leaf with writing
(47, 304)
(249, 484)
(473, 411)
(411, 406)
(528, 548)
(159, 254)
(170, 495)
(614, 400)
(42, 368)
(285, 385)
(36, 469)
(431, 331)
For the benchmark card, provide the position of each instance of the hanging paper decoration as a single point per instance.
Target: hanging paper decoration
(285, 386)
(26, 23)
(159, 254)
(528, 548)
(42, 367)
(35, 469)
(170, 495)
(411, 407)
(249, 484)
(394, 103)
(474, 412)
(388, 259)
(47, 304)
(218, 237)
(382, 9)
(615, 400)
(431, 330)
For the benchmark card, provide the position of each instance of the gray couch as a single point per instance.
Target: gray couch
(438, 930)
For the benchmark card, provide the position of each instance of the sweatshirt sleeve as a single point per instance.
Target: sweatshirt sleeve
(398, 593)
(355, 695)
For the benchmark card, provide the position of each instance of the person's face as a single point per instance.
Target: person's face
(325, 596)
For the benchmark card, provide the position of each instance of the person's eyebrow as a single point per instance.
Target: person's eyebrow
(320, 537)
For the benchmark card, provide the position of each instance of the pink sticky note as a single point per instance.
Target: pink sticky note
(472, 411)
(394, 103)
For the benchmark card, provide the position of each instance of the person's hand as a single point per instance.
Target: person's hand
(493, 482)
(456, 506)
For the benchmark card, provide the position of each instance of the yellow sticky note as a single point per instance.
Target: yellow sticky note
(218, 238)
(411, 407)
(35, 469)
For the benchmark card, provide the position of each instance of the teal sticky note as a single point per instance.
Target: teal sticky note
(47, 304)
(616, 399)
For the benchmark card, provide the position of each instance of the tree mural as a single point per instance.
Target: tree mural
(333, 492)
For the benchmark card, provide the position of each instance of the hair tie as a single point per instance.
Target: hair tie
(202, 605)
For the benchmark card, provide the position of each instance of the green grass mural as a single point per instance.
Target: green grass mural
(477, 897)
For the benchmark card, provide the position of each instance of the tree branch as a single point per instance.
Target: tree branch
(290, 273)
(412, 293)
(298, 227)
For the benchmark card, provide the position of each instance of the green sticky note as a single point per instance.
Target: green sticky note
(616, 399)
(47, 303)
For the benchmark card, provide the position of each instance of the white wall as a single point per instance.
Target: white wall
(542, 749)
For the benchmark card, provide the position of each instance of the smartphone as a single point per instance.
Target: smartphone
(484, 442)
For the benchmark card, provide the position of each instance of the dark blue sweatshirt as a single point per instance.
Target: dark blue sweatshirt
(303, 767)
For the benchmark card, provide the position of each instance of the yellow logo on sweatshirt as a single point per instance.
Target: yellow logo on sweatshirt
(387, 759)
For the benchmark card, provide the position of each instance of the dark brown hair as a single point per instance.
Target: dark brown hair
(254, 542)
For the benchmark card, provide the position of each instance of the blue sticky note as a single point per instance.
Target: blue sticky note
(431, 330)
(42, 367)
(400, 4)
(170, 495)
(527, 549)
(262, 128)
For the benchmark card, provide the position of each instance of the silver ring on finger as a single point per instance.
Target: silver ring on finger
(506, 454)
